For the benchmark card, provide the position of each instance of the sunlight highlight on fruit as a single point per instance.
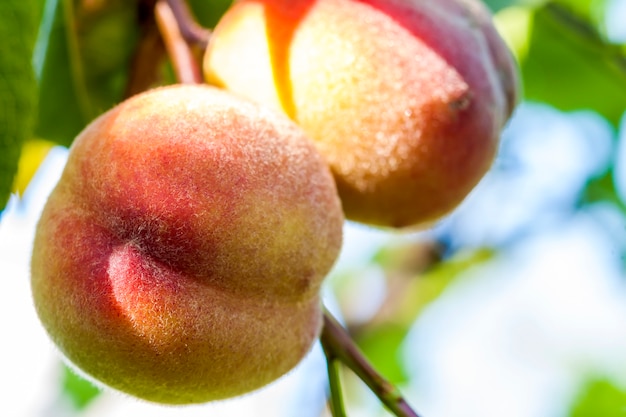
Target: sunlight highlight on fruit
(405, 99)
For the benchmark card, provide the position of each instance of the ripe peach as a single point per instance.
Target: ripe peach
(405, 98)
(180, 256)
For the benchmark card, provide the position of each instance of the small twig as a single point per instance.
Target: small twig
(335, 402)
(185, 64)
(191, 31)
(338, 345)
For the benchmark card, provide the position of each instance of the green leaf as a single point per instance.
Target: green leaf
(422, 289)
(602, 189)
(84, 60)
(18, 88)
(497, 5)
(61, 115)
(411, 290)
(78, 390)
(600, 398)
(106, 36)
(591, 9)
(570, 66)
(382, 346)
(208, 13)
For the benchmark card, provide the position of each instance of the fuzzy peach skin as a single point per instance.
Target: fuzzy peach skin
(405, 98)
(180, 257)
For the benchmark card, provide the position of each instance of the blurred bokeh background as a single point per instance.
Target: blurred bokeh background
(515, 305)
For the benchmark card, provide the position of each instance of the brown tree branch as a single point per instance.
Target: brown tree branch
(185, 65)
(191, 31)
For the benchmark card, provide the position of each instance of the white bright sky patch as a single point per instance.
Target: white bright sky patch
(26, 354)
(512, 338)
(615, 18)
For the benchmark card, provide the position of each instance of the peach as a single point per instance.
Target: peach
(404, 98)
(179, 258)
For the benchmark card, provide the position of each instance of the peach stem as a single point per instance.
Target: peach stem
(191, 31)
(335, 401)
(185, 65)
(338, 345)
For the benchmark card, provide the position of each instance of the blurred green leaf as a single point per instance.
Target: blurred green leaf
(83, 63)
(18, 87)
(590, 9)
(497, 5)
(600, 398)
(409, 293)
(209, 12)
(568, 65)
(106, 36)
(381, 345)
(424, 289)
(78, 390)
(60, 114)
(602, 189)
